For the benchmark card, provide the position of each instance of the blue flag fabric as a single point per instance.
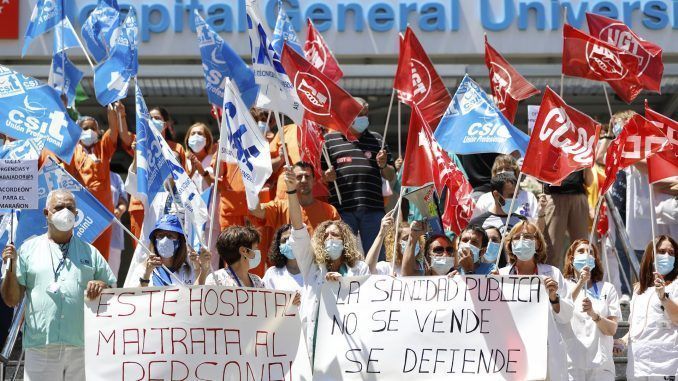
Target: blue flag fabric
(284, 33)
(65, 36)
(64, 76)
(92, 218)
(219, 62)
(28, 149)
(98, 30)
(46, 15)
(473, 124)
(32, 109)
(112, 77)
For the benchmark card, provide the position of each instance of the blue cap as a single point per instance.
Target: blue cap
(168, 222)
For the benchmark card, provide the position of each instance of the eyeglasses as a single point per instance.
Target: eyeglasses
(440, 250)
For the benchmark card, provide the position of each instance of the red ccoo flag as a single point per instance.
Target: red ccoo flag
(649, 55)
(664, 164)
(563, 141)
(418, 83)
(324, 101)
(639, 139)
(588, 57)
(9, 19)
(508, 86)
(319, 54)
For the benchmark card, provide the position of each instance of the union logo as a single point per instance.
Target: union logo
(316, 97)
(604, 62)
(501, 85)
(618, 35)
(316, 54)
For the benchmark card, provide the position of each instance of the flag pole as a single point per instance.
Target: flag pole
(329, 165)
(607, 100)
(217, 176)
(11, 237)
(89, 60)
(508, 219)
(653, 218)
(562, 84)
(388, 118)
(396, 242)
(281, 133)
(400, 150)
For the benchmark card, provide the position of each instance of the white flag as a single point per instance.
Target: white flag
(242, 140)
(276, 92)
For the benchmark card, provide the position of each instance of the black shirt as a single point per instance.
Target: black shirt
(573, 184)
(358, 176)
(478, 168)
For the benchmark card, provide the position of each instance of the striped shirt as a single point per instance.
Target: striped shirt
(358, 176)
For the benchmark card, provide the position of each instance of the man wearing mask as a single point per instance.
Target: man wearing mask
(358, 168)
(502, 186)
(55, 271)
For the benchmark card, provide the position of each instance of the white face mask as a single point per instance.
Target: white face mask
(254, 262)
(442, 265)
(263, 127)
(166, 247)
(89, 137)
(474, 250)
(63, 220)
(334, 248)
(196, 143)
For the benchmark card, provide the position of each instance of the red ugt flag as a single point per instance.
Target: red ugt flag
(9, 19)
(319, 54)
(649, 55)
(418, 83)
(664, 164)
(639, 139)
(588, 57)
(324, 101)
(508, 86)
(563, 141)
(311, 140)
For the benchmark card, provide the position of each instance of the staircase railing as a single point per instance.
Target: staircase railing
(10, 342)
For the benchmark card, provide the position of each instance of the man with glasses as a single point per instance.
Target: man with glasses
(502, 187)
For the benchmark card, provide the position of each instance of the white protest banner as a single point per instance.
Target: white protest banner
(433, 328)
(18, 184)
(532, 112)
(194, 333)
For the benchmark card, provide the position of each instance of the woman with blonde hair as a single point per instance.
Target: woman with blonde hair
(200, 149)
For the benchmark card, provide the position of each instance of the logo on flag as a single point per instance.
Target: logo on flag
(421, 83)
(46, 15)
(317, 98)
(319, 55)
(604, 62)
(284, 33)
(98, 31)
(501, 85)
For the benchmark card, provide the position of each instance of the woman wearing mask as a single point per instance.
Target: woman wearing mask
(386, 238)
(173, 262)
(493, 245)
(438, 253)
(238, 248)
(473, 242)
(589, 338)
(285, 273)
(526, 250)
(199, 141)
(653, 323)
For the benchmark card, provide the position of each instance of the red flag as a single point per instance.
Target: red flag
(603, 226)
(311, 140)
(426, 162)
(324, 101)
(639, 139)
(508, 86)
(418, 83)
(319, 54)
(588, 57)
(9, 19)
(649, 55)
(664, 164)
(563, 141)
(668, 126)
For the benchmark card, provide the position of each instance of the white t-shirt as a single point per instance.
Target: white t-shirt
(653, 338)
(279, 278)
(526, 201)
(587, 347)
(385, 268)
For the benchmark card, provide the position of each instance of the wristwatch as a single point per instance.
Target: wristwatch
(144, 281)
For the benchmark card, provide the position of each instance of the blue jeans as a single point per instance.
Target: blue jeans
(365, 222)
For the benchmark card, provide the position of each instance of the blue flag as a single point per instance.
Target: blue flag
(473, 124)
(284, 33)
(64, 36)
(92, 218)
(64, 76)
(46, 15)
(97, 31)
(28, 149)
(32, 109)
(219, 62)
(111, 77)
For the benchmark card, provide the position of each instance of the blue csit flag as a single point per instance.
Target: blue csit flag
(46, 15)
(473, 124)
(64, 76)
(64, 36)
(112, 76)
(32, 109)
(219, 62)
(27, 149)
(284, 33)
(98, 30)
(92, 218)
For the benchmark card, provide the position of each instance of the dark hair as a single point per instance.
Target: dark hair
(646, 276)
(568, 271)
(181, 254)
(305, 165)
(477, 229)
(429, 241)
(498, 181)
(274, 254)
(232, 238)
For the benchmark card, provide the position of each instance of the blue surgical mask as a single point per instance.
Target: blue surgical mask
(474, 250)
(507, 206)
(360, 123)
(582, 260)
(523, 249)
(334, 248)
(286, 250)
(665, 263)
(158, 124)
(491, 252)
(617, 128)
(403, 247)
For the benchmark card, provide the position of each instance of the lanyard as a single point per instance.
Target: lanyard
(234, 276)
(595, 292)
(62, 261)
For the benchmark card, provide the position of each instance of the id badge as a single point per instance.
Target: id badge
(53, 288)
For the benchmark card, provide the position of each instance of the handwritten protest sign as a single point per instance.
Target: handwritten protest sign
(433, 328)
(18, 184)
(194, 333)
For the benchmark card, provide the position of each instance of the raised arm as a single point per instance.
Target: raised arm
(409, 256)
(375, 249)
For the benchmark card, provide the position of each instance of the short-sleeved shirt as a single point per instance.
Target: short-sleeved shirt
(58, 317)
(358, 175)
(279, 278)
(278, 214)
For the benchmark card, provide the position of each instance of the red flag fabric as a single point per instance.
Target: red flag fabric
(668, 126)
(639, 139)
(603, 226)
(311, 140)
(324, 101)
(649, 55)
(563, 141)
(664, 164)
(9, 19)
(319, 54)
(508, 86)
(418, 83)
(588, 57)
